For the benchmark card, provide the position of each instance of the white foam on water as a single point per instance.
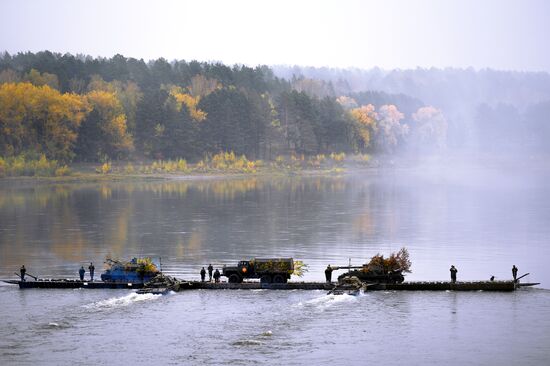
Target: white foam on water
(118, 302)
(327, 301)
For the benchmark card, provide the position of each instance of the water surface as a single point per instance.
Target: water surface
(481, 219)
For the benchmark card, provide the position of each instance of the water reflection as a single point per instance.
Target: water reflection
(320, 219)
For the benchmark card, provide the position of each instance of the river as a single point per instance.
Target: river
(483, 219)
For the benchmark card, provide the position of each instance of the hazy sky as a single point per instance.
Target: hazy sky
(501, 34)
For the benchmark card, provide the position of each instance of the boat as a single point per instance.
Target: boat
(350, 285)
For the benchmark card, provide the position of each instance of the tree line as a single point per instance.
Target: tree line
(80, 108)
(486, 110)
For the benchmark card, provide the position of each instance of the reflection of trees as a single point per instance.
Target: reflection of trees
(85, 222)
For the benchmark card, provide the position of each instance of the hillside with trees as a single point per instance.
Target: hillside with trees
(76, 108)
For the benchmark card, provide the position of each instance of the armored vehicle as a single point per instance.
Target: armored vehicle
(379, 269)
(372, 274)
(135, 271)
(268, 270)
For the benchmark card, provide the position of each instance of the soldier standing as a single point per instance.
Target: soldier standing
(91, 268)
(210, 269)
(216, 276)
(328, 273)
(453, 273)
(203, 274)
(514, 272)
(81, 272)
(23, 271)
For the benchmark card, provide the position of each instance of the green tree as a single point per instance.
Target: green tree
(103, 133)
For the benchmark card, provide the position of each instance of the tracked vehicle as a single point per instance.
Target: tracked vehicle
(372, 275)
(380, 270)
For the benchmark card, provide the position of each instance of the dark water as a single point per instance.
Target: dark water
(481, 219)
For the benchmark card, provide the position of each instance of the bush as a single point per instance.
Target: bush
(129, 169)
(168, 166)
(338, 157)
(228, 161)
(43, 167)
(62, 171)
(104, 169)
(29, 164)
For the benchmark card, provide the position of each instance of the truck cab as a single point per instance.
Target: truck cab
(244, 264)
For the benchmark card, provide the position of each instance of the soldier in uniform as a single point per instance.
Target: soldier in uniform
(23, 271)
(210, 269)
(203, 274)
(453, 273)
(514, 272)
(91, 268)
(328, 273)
(217, 276)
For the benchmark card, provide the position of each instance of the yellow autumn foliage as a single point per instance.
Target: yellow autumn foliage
(191, 104)
(39, 117)
(112, 121)
(365, 117)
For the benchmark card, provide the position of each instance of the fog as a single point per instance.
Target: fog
(405, 34)
(467, 111)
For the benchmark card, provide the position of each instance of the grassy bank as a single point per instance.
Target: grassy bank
(217, 165)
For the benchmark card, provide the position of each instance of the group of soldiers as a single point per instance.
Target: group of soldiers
(454, 272)
(81, 272)
(211, 273)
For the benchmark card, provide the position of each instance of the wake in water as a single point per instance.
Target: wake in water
(247, 342)
(119, 302)
(326, 301)
(257, 341)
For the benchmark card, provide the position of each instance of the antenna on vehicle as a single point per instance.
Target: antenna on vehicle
(160, 264)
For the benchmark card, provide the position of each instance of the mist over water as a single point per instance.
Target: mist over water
(419, 124)
(480, 215)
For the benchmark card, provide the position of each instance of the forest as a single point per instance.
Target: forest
(76, 108)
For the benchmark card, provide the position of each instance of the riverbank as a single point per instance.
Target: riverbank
(224, 165)
(229, 166)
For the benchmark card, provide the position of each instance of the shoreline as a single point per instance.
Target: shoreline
(143, 177)
(88, 172)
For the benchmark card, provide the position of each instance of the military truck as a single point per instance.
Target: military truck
(268, 270)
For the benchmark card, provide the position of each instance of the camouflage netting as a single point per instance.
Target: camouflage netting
(396, 261)
(273, 265)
